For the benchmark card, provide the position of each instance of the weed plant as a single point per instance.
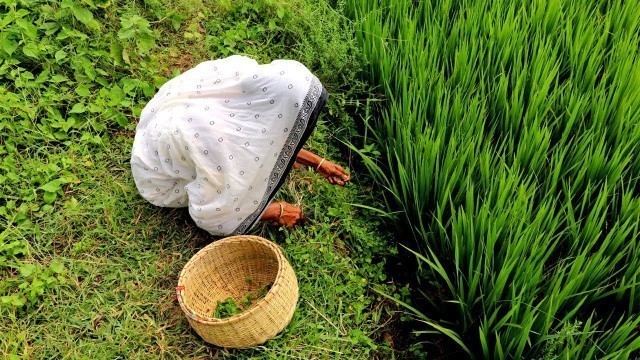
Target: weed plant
(509, 142)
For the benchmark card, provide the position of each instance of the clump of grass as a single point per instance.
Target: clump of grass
(509, 145)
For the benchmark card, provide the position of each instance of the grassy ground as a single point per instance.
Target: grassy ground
(87, 267)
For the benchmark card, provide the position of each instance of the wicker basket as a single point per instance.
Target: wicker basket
(232, 267)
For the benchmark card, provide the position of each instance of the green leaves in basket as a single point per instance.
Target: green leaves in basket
(229, 307)
(226, 308)
(252, 296)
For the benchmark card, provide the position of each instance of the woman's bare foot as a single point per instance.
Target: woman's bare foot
(334, 173)
(283, 213)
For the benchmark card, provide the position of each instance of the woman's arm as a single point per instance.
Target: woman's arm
(307, 158)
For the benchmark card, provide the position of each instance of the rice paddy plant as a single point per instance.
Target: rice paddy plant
(509, 144)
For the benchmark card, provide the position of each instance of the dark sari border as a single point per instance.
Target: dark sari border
(304, 125)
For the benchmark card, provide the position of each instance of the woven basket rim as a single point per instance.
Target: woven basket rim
(207, 320)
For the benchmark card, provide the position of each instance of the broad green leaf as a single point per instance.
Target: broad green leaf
(50, 197)
(127, 22)
(83, 15)
(83, 90)
(59, 55)
(57, 267)
(58, 78)
(145, 43)
(115, 51)
(31, 50)
(71, 33)
(22, 13)
(122, 120)
(126, 33)
(7, 19)
(159, 81)
(9, 46)
(88, 66)
(42, 77)
(50, 28)
(66, 125)
(176, 21)
(29, 29)
(115, 95)
(27, 269)
(14, 300)
(129, 86)
(102, 81)
(78, 109)
(27, 75)
(51, 186)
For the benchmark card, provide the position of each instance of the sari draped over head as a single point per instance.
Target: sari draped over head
(221, 138)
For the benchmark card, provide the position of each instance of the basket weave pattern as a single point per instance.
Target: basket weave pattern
(232, 267)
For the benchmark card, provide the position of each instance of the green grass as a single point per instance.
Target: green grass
(509, 141)
(87, 267)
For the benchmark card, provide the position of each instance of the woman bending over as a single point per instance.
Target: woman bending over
(221, 138)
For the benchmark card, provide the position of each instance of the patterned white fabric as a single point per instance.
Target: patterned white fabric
(221, 137)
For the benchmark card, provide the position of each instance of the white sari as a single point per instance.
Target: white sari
(221, 138)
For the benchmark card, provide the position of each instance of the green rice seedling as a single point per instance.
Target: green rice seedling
(509, 144)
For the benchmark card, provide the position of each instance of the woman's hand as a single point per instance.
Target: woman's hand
(283, 213)
(291, 215)
(334, 173)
